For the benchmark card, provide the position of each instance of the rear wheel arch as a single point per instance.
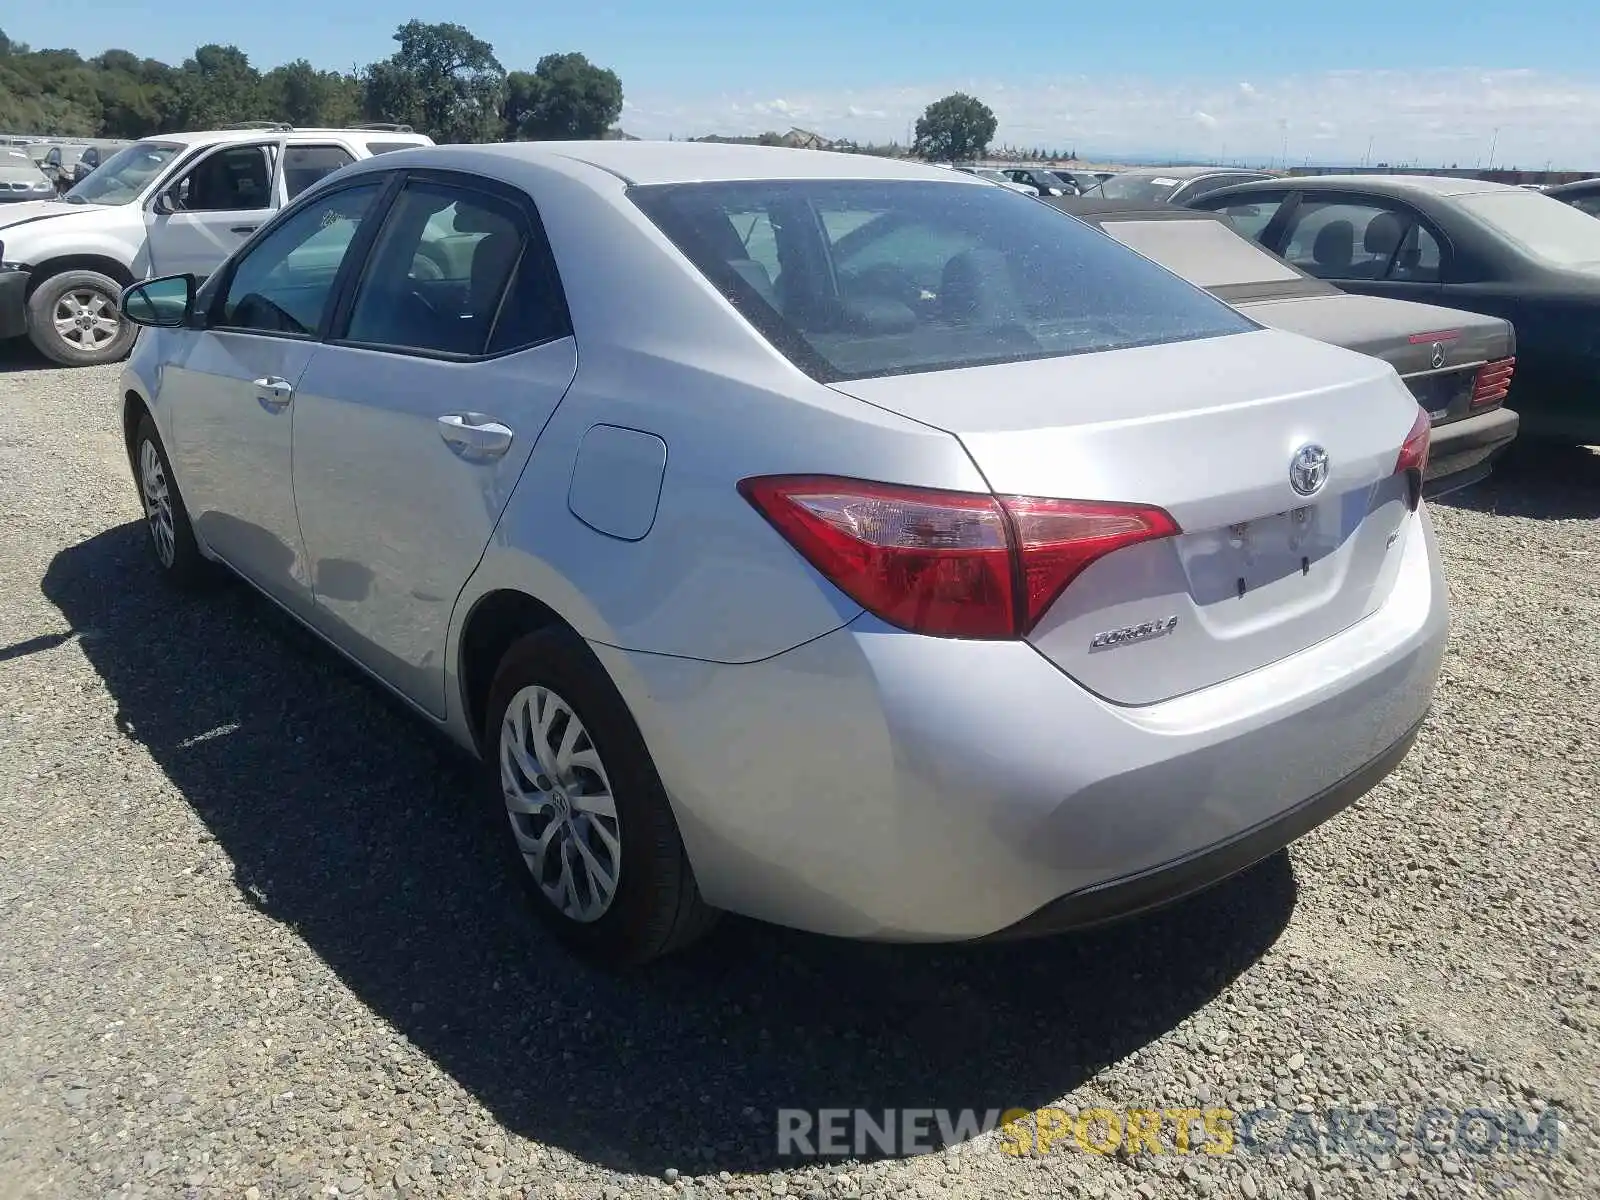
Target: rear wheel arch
(498, 620)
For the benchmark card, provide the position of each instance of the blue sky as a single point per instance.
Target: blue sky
(1421, 80)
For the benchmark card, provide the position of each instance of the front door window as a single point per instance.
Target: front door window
(283, 285)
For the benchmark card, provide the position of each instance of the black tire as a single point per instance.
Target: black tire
(102, 293)
(183, 565)
(656, 908)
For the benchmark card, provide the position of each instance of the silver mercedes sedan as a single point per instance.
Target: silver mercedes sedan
(842, 542)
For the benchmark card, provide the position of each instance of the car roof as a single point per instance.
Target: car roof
(643, 163)
(1436, 185)
(212, 136)
(1576, 185)
(1144, 210)
(1188, 172)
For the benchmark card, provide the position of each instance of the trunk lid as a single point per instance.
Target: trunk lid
(1438, 366)
(1206, 430)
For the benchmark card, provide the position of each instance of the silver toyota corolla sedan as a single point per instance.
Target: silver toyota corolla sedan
(842, 542)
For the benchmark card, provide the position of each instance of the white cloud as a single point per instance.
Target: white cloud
(1424, 117)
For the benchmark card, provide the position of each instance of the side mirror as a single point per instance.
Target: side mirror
(165, 303)
(165, 205)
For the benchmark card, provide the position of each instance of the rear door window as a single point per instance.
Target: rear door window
(456, 272)
(872, 277)
(305, 165)
(1354, 239)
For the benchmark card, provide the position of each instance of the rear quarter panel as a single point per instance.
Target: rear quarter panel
(661, 352)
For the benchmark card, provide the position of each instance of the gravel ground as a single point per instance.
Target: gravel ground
(250, 948)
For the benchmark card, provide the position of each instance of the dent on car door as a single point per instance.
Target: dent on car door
(227, 392)
(414, 423)
(217, 202)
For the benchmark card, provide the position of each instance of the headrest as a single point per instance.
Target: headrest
(1335, 245)
(1383, 234)
(469, 218)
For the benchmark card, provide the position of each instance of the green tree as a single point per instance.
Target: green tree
(302, 95)
(565, 98)
(957, 127)
(218, 86)
(443, 81)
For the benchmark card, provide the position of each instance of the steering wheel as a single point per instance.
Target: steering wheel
(425, 268)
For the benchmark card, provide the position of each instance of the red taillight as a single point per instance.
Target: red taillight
(950, 564)
(1493, 382)
(1413, 460)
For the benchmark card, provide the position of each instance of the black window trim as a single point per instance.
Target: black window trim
(534, 239)
(360, 244)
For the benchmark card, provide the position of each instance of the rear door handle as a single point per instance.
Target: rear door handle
(244, 228)
(274, 394)
(474, 436)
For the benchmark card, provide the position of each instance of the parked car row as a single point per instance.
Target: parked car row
(69, 163)
(850, 544)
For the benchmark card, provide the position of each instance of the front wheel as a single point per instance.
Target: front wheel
(587, 825)
(73, 319)
(165, 517)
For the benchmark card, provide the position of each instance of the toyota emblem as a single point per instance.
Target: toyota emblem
(1308, 469)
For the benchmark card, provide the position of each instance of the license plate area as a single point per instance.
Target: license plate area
(1245, 556)
(1445, 396)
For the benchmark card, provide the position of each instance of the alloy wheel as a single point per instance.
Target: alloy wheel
(157, 502)
(87, 319)
(558, 799)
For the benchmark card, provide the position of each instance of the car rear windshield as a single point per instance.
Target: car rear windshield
(1543, 227)
(1147, 188)
(1206, 253)
(857, 278)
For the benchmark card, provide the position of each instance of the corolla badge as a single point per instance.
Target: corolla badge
(1308, 469)
(1133, 633)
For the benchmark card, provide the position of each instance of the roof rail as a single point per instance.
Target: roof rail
(386, 126)
(280, 125)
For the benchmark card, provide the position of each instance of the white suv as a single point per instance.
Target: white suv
(173, 204)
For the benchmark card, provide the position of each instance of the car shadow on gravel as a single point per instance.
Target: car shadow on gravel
(365, 839)
(1543, 481)
(18, 354)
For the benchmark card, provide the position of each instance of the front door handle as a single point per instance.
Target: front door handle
(474, 436)
(274, 394)
(244, 228)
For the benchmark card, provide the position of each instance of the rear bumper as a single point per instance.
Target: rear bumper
(1463, 452)
(1173, 881)
(876, 784)
(13, 304)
